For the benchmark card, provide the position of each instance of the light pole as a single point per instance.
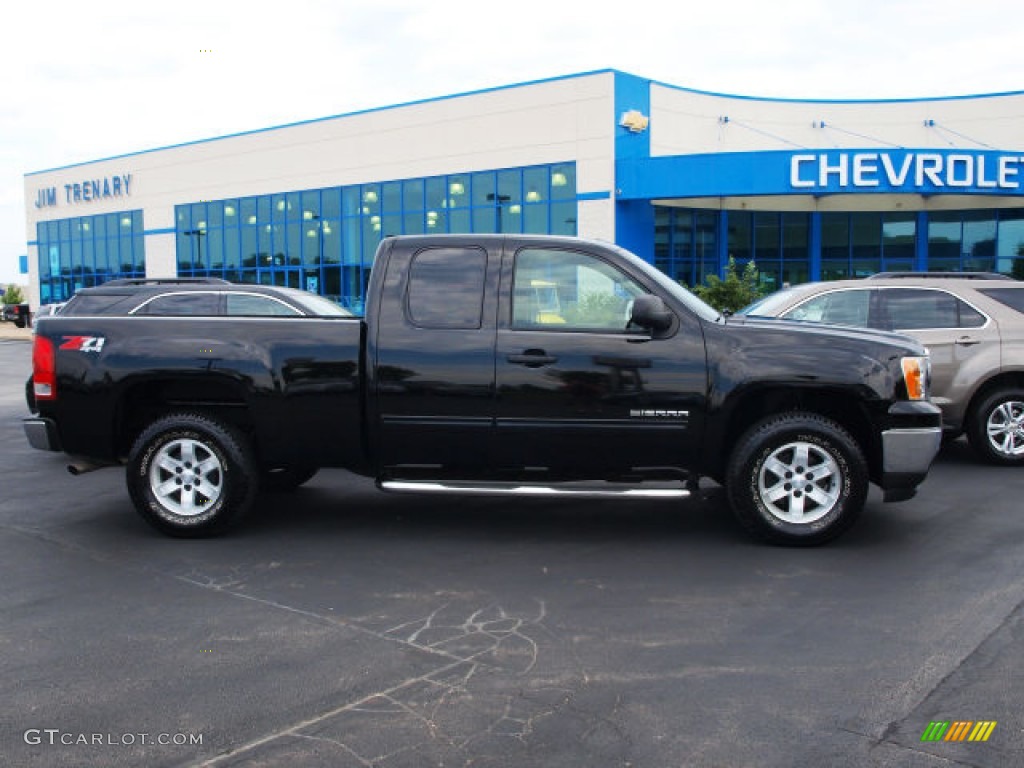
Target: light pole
(320, 250)
(500, 200)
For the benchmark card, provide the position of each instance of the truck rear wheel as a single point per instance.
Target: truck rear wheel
(190, 475)
(797, 479)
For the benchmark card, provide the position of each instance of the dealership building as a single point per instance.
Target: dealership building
(810, 190)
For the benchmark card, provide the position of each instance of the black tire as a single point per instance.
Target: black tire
(826, 486)
(190, 475)
(995, 429)
(285, 479)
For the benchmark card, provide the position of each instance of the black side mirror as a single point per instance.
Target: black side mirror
(649, 311)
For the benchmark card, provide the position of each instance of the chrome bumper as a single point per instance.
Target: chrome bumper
(910, 451)
(41, 434)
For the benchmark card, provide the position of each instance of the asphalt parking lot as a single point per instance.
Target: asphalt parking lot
(345, 627)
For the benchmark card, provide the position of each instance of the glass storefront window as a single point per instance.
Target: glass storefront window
(510, 187)
(412, 195)
(979, 235)
(740, 235)
(484, 189)
(89, 250)
(944, 232)
(899, 234)
(766, 237)
(536, 182)
(294, 238)
(391, 197)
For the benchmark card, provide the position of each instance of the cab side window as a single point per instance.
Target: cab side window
(446, 288)
(568, 291)
(841, 307)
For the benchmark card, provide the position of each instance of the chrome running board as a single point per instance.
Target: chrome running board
(512, 489)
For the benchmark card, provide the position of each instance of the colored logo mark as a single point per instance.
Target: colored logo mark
(959, 730)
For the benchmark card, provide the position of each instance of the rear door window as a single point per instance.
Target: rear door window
(908, 309)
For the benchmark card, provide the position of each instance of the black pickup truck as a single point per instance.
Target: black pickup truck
(490, 364)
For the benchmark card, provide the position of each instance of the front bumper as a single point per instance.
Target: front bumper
(908, 447)
(42, 433)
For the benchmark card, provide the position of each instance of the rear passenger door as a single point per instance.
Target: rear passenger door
(433, 375)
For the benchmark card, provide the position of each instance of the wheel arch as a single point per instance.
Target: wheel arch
(144, 401)
(846, 408)
(1003, 380)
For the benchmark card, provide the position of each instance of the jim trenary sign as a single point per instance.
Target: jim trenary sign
(906, 171)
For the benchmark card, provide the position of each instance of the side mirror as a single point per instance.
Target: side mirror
(649, 311)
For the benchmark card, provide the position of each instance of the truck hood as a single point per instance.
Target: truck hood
(799, 329)
(751, 352)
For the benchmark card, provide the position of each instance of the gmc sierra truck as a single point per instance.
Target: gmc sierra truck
(489, 364)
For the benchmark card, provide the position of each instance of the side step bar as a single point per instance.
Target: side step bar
(511, 489)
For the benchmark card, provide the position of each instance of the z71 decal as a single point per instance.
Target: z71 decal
(83, 343)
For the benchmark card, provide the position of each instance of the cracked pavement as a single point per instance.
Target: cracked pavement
(344, 627)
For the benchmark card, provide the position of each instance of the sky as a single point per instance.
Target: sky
(82, 81)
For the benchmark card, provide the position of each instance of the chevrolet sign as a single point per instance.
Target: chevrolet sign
(634, 121)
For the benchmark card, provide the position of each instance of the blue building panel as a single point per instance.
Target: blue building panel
(821, 172)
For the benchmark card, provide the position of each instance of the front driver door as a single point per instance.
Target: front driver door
(578, 392)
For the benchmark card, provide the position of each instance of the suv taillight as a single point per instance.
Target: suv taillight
(44, 369)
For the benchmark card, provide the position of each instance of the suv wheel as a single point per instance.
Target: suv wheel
(996, 430)
(797, 479)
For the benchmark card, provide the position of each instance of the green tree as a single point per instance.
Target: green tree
(13, 295)
(735, 291)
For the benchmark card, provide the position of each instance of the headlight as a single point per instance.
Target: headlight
(916, 375)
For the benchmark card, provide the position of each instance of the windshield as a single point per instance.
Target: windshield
(678, 292)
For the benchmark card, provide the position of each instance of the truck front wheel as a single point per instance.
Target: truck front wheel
(191, 476)
(797, 479)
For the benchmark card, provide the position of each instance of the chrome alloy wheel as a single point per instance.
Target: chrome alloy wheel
(799, 483)
(1005, 428)
(186, 477)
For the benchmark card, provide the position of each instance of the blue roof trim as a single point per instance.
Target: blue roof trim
(163, 231)
(594, 195)
(783, 100)
(314, 120)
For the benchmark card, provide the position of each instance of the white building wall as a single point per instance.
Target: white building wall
(686, 122)
(565, 120)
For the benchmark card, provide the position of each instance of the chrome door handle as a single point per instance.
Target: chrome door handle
(967, 341)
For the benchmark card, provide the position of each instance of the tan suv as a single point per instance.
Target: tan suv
(972, 324)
